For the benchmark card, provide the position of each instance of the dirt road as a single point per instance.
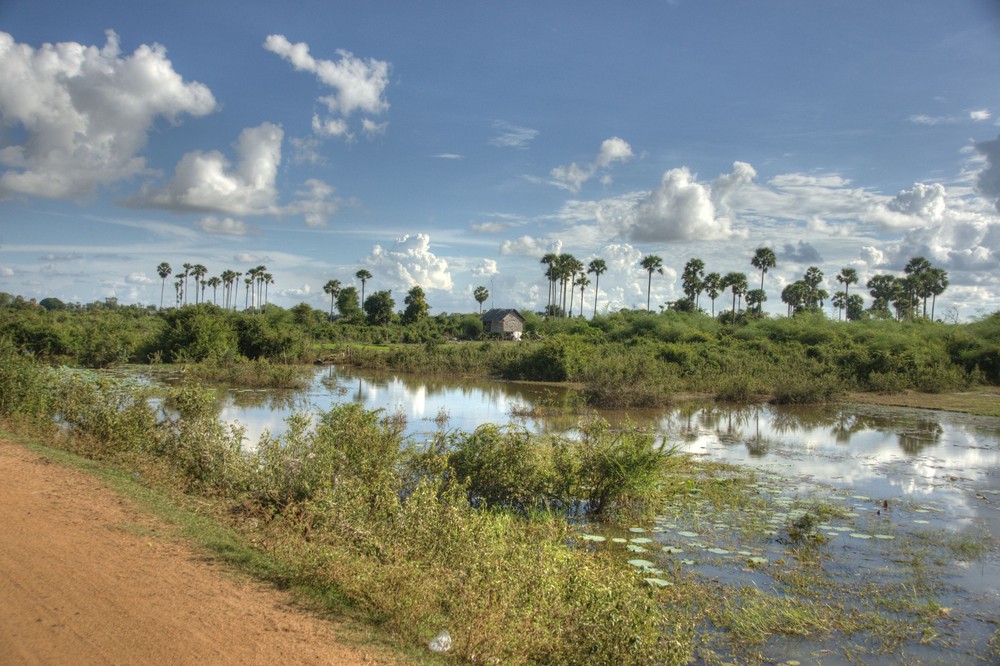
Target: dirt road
(83, 582)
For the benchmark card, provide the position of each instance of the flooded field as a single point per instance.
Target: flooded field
(859, 534)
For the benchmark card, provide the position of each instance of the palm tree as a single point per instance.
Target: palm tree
(549, 260)
(267, 279)
(567, 266)
(847, 277)
(481, 294)
(214, 283)
(651, 263)
(939, 282)
(737, 282)
(713, 287)
(598, 268)
(582, 281)
(763, 259)
(364, 276)
(332, 287)
(199, 272)
(163, 270)
(187, 271)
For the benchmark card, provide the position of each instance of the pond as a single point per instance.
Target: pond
(890, 499)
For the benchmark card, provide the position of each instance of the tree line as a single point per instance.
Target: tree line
(892, 296)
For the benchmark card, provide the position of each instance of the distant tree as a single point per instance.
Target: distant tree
(691, 280)
(549, 261)
(199, 272)
(214, 283)
(737, 283)
(713, 287)
(187, 271)
(416, 306)
(598, 268)
(332, 287)
(755, 300)
(881, 288)
(651, 263)
(481, 294)
(763, 259)
(379, 308)
(581, 281)
(795, 295)
(918, 273)
(364, 276)
(164, 271)
(855, 308)
(938, 283)
(847, 277)
(347, 302)
(567, 266)
(52, 303)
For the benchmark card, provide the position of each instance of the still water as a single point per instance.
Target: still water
(902, 478)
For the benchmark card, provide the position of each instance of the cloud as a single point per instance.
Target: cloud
(409, 263)
(486, 268)
(358, 85)
(921, 119)
(449, 156)
(316, 203)
(139, 278)
(528, 245)
(801, 253)
(85, 113)
(207, 182)
(223, 227)
(979, 115)
(490, 227)
(679, 209)
(6, 272)
(512, 136)
(988, 180)
(573, 176)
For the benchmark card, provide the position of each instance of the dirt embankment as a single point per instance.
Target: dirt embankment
(82, 582)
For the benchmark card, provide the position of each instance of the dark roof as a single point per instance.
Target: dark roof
(499, 314)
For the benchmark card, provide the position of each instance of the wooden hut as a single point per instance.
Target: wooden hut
(506, 323)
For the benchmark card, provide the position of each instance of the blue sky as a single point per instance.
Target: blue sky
(452, 144)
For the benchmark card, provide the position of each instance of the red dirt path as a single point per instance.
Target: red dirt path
(79, 584)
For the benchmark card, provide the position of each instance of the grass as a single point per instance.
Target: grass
(984, 401)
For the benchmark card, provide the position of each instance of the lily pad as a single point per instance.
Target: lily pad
(758, 561)
(641, 564)
(658, 582)
(619, 540)
(591, 537)
(637, 530)
(689, 535)
(856, 535)
(718, 551)
(636, 549)
(673, 550)
(885, 537)
(641, 540)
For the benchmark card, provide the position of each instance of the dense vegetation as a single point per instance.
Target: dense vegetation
(623, 359)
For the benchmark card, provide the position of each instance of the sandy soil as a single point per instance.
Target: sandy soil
(83, 582)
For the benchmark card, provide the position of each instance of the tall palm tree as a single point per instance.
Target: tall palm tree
(598, 268)
(651, 263)
(481, 294)
(939, 282)
(847, 277)
(268, 279)
(763, 259)
(549, 260)
(364, 276)
(187, 271)
(163, 270)
(713, 287)
(332, 287)
(581, 281)
(199, 272)
(214, 283)
(737, 282)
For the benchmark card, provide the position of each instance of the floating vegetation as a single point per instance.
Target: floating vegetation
(591, 537)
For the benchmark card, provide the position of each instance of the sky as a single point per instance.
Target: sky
(452, 144)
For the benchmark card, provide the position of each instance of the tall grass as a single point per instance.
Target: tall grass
(345, 509)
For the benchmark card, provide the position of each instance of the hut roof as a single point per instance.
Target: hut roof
(499, 314)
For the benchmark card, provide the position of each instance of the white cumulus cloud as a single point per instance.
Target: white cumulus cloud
(573, 176)
(409, 263)
(207, 182)
(85, 112)
(358, 85)
(486, 268)
(680, 208)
